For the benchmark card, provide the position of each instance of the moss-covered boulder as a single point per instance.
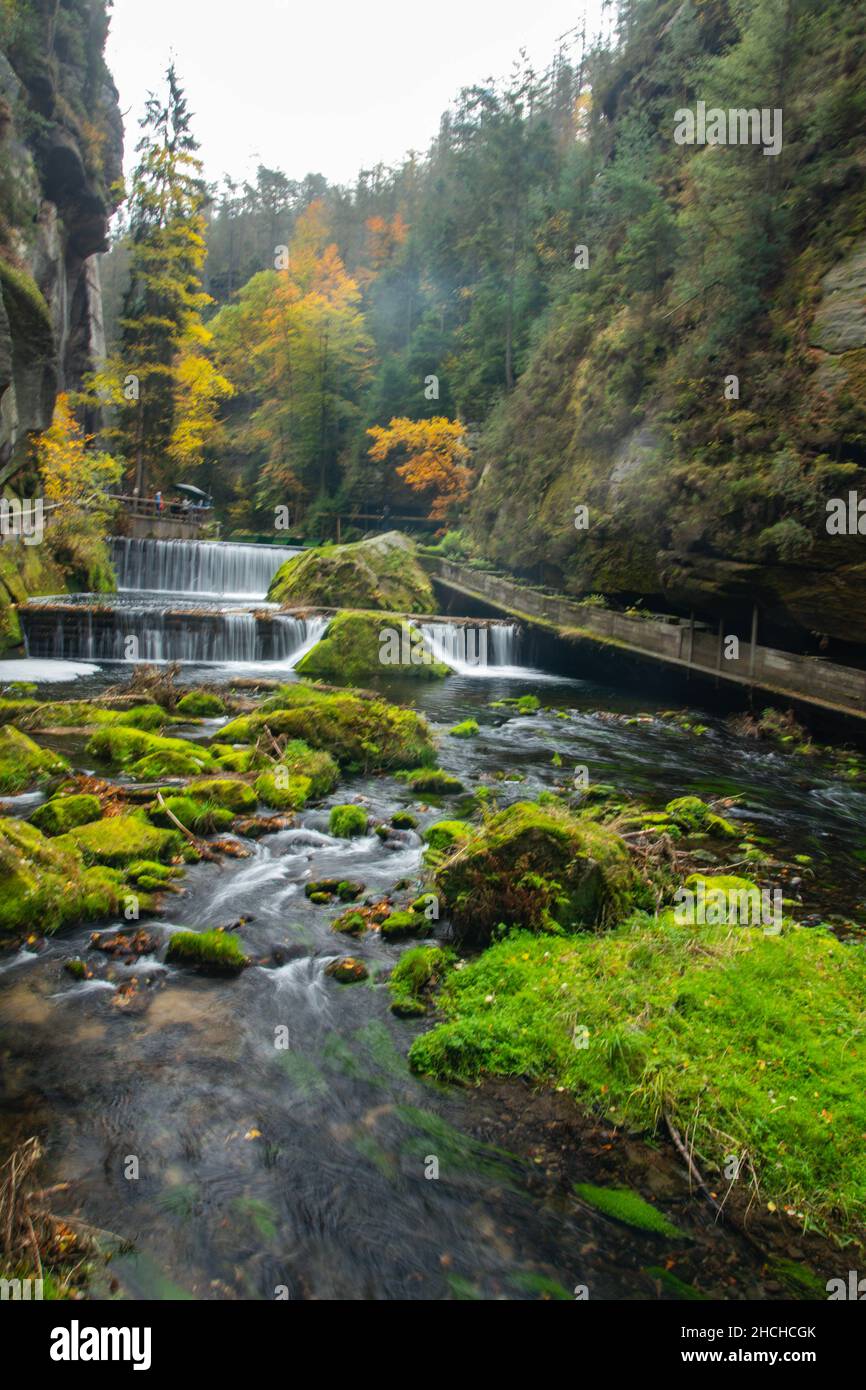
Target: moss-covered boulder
(226, 792)
(446, 835)
(382, 573)
(538, 867)
(357, 647)
(65, 813)
(360, 734)
(468, 729)
(348, 822)
(401, 925)
(122, 840)
(147, 756)
(45, 885)
(23, 763)
(200, 704)
(303, 774)
(211, 952)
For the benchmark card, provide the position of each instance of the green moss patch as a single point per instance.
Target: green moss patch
(122, 840)
(417, 973)
(432, 781)
(747, 1042)
(694, 817)
(65, 813)
(212, 952)
(468, 729)
(224, 792)
(199, 704)
(360, 734)
(147, 756)
(23, 763)
(348, 822)
(361, 646)
(622, 1204)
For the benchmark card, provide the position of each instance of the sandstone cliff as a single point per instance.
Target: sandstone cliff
(61, 145)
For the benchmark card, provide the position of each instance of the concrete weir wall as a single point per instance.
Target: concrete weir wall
(680, 645)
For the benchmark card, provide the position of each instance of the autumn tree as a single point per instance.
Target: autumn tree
(296, 346)
(161, 380)
(76, 478)
(435, 458)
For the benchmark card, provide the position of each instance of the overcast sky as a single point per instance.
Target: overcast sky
(329, 87)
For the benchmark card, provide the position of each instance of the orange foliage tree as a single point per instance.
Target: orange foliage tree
(435, 460)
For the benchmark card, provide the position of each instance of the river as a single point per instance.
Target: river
(304, 1170)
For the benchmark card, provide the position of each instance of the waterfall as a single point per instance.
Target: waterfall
(133, 632)
(482, 649)
(207, 568)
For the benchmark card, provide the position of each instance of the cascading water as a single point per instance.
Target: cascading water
(118, 631)
(483, 649)
(207, 568)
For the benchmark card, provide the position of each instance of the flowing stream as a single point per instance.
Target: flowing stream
(282, 1146)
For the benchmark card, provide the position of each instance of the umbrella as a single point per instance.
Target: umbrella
(193, 491)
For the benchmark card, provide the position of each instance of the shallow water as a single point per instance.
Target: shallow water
(305, 1168)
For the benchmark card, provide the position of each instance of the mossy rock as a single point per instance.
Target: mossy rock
(199, 817)
(23, 763)
(624, 1205)
(122, 840)
(65, 813)
(401, 925)
(360, 734)
(695, 817)
(212, 952)
(382, 574)
(199, 704)
(226, 793)
(283, 791)
(147, 756)
(432, 781)
(302, 774)
(350, 924)
(347, 971)
(358, 647)
(468, 729)
(240, 760)
(76, 968)
(542, 868)
(348, 822)
(404, 820)
(40, 880)
(415, 976)
(446, 835)
(44, 884)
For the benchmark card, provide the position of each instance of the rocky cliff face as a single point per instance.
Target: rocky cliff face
(696, 404)
(61, 146)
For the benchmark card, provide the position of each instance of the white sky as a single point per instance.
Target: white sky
(323, 86)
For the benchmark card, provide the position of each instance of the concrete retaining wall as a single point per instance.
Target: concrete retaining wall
(677, 643)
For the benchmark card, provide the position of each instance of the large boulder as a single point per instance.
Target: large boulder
(537, 867)
(382, 573)
(357, 647)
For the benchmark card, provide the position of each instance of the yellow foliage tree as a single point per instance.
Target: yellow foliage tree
(435, 460)
(75, 477)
